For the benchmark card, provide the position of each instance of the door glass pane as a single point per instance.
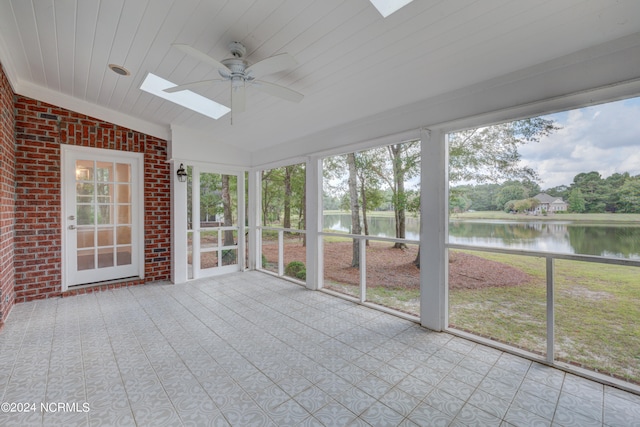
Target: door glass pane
(124, 235)
(105, 214)
(86, 260)
(105, 257)
(124, 255)
(84, 170)
(209, 239)
(84, 192)
(105, 236)
(104, 171)
(123, 172)
(85, 237)
(208, 259)
(229, 256)
(124, 193)
(124, 214)
(105, 193)
(189, 255)
(85, 215)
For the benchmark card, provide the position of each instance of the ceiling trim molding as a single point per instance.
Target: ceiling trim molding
(93, 110)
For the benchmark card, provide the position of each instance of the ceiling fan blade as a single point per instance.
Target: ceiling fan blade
(200, 55)
(193, 85)
(272, 65)
(279, 91)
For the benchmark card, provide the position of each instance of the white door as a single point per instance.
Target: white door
(102, 212)
(215, 224)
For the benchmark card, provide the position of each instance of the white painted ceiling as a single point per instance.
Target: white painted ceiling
(352, 63)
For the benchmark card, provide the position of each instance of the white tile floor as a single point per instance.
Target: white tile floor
(250, 350)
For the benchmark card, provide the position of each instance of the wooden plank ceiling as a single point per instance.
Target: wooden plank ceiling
(352, 63)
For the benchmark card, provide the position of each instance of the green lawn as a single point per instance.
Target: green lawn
(597, 313)
(599, 217)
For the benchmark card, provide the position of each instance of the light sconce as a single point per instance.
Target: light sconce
(182, 174)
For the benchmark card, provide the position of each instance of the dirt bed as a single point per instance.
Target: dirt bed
(394, 268)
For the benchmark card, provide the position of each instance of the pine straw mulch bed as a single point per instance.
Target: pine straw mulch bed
(394, 268)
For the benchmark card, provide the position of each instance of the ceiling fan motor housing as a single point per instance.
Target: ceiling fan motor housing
(236, 69)
(237, 49)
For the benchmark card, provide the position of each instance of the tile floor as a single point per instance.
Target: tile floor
(252, 350)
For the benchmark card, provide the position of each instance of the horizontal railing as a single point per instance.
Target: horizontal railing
(362, 241)
(549, 258)
(554, 255)
(281, 232)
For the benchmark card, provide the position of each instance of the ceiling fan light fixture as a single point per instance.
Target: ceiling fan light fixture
(241, 75)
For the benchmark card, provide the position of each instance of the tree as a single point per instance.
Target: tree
(576, 201)
(272, 195)
(227, 211)
(561, 191)
(525, 205)
(210, 196)
(355, 208)
(458, 201)
(482, 197)
(367, 163)
(629, 195)
(610, 188)
(293, 182)
(511, 191)
(288, 172)
(490, 154)
(404, 164)
(593, 190)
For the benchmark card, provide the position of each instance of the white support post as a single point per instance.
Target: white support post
(280, 253)
(550, 311)
(314, 223)
(242, 250)
(433, 231)
(253, 220)
(179, 269)
(363, 268)
(195, 217)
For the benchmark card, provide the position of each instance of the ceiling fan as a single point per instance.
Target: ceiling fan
(242, 75)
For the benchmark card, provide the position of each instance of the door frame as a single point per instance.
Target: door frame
(198, 272)
(137, 196)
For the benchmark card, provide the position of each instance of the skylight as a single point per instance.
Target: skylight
(387, 7)
(191, 100)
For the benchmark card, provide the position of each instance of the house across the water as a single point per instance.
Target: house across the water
(549, 204)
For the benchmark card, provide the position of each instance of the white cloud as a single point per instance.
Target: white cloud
(603, 138)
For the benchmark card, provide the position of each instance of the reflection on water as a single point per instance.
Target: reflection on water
(378, 226)
(619, 241)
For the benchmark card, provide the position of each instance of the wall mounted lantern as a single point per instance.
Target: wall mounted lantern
(182, 174)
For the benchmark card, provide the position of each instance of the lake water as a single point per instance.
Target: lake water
(609, 240)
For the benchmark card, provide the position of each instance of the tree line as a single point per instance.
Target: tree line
(589, 192)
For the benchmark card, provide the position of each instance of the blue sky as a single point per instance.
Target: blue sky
(603, 138)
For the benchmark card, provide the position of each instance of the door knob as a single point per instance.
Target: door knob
(72, 227)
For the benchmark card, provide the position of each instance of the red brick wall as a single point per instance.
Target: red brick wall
(7, 196)
(40, 129)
